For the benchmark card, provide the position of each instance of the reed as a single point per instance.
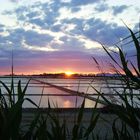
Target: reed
(11, 111)
(127, 113)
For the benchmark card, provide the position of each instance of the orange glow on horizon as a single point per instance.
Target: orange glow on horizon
(69, 73)
(36, 71)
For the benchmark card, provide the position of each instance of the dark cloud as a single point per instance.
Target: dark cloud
(2, 28)
(119, 9)
(38, 22)
(35, 39)
(71, 43)
(102, 31)
(101, 7)
(31, 37)
(75, 9)
(1, 25)
(32, 14)
(14, 39)
(56, 28)
(83, 2)
(14, 0)
(79, 22)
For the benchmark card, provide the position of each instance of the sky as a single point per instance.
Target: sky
(51, 36)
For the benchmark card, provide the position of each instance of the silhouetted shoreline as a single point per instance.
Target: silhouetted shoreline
(63, 76)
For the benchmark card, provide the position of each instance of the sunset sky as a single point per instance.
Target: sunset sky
(49, 36)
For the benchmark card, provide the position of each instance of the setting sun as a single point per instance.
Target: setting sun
(69, 73)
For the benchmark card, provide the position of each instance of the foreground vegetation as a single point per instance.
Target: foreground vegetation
(51, 127)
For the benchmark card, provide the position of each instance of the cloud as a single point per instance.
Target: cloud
(32, 15)
(83, 2)
(33, 38)
(14, 0)
(105, 32)
(119, 9)
(75, 9)
(48, 17)
(38, 22)
(102, 7)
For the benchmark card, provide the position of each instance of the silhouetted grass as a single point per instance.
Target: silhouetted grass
(128, 113)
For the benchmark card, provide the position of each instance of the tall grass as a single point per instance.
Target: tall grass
(11, 111)
(128, 113)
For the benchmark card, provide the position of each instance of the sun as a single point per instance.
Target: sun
(68, 73)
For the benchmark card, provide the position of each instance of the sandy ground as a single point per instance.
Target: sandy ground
(102, 127)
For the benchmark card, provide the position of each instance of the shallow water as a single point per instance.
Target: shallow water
(82, 85)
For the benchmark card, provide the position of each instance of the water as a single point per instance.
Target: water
(82, 85)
